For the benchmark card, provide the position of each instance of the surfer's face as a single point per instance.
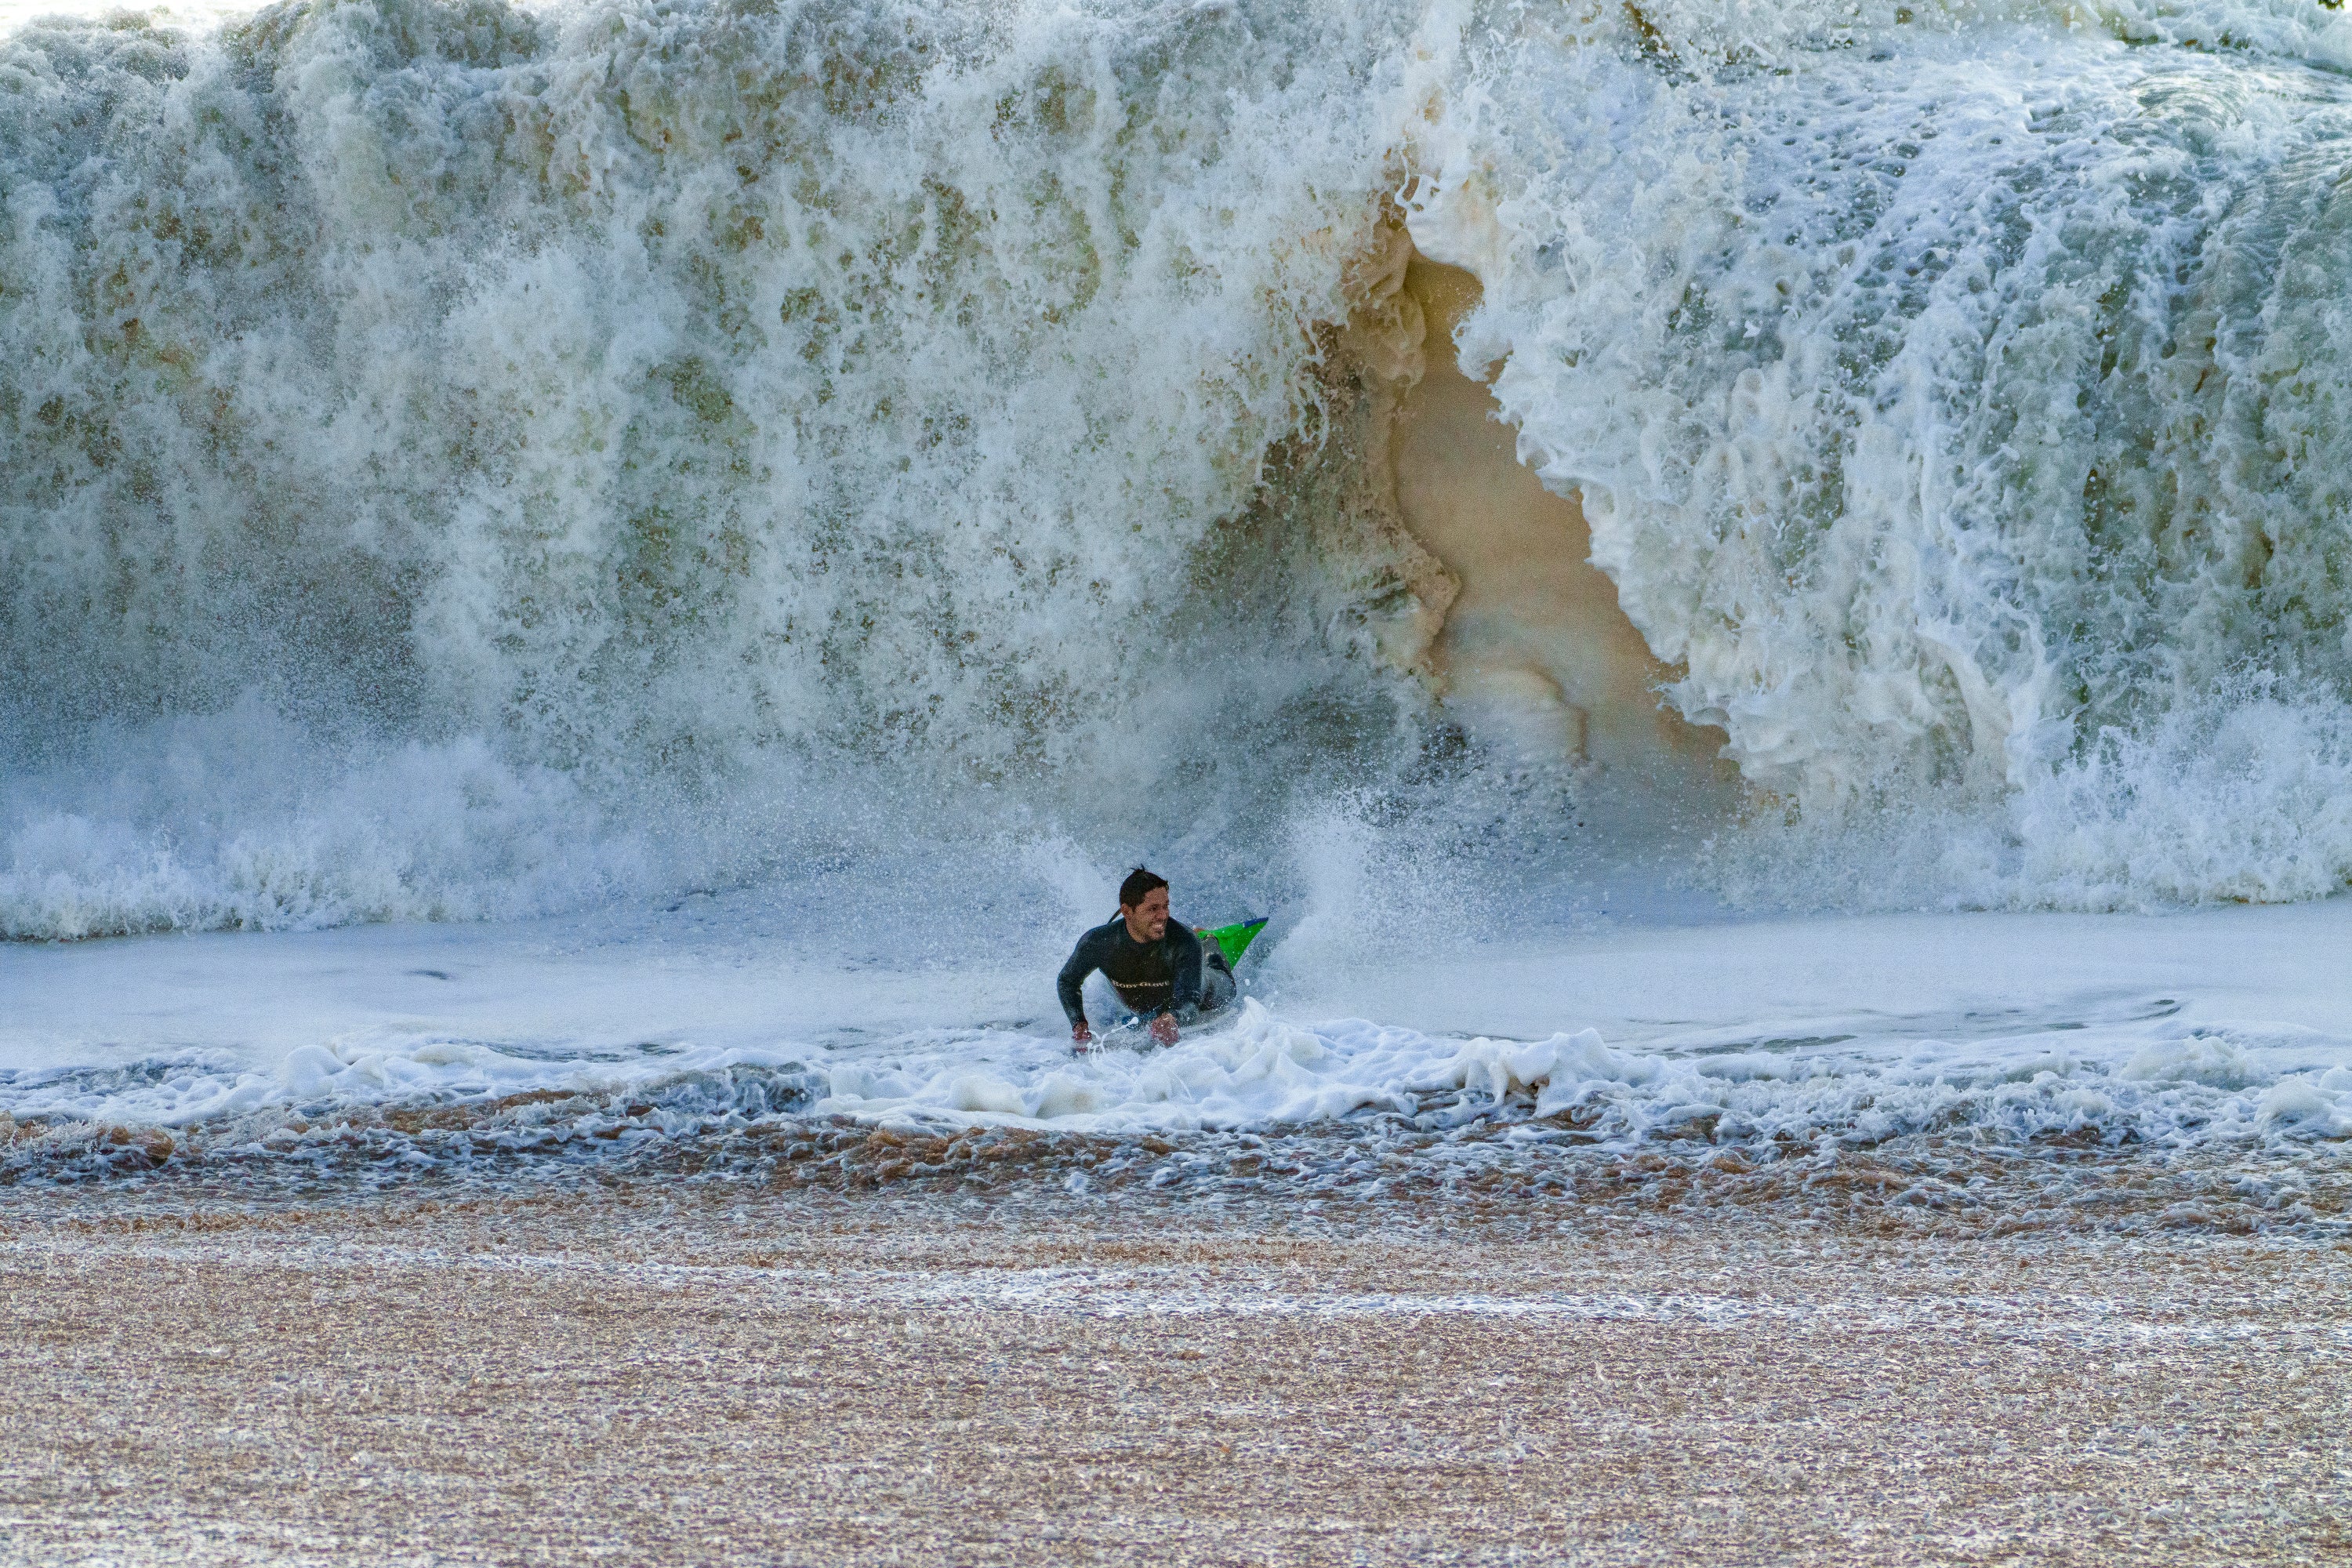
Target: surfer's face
(1147, 921)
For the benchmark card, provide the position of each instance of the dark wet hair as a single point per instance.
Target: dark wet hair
(1139, 883)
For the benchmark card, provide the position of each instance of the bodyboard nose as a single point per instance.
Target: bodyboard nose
(1232, 941)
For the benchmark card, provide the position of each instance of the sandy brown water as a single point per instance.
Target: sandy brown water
(651, 1373)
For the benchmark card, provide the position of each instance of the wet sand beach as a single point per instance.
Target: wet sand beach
(729, 1374)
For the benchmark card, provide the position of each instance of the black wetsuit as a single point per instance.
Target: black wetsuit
(1150, 977)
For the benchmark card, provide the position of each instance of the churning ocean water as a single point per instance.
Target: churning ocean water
(1753, 588)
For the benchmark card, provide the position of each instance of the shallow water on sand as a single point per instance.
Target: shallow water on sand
(1967, 1073)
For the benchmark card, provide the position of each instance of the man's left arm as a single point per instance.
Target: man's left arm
(1184, 982)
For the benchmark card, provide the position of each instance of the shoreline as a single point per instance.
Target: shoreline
(647, 1371)
(1950, 1186)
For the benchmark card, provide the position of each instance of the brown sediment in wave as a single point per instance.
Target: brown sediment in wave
(1517, 629)
(717, 1375)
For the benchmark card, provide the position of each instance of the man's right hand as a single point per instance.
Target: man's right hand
(1081, 1037)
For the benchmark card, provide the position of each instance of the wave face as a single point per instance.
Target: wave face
(462, 462)
(1960, 405)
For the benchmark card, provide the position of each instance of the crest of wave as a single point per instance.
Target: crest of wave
(1700, 33)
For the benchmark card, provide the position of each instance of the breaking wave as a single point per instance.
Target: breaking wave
(460, 461)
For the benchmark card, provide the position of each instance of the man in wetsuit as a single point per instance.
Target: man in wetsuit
(1158, 967)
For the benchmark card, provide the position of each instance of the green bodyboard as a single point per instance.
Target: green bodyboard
(1232, 941)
